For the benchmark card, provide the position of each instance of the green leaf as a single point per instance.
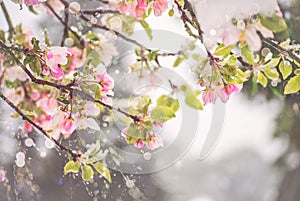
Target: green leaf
(171, 12)
(285, 68)
(192, 101)
(31, 9)
(87, 173)
(274, 23)
(93, 58)
(147, 28)
(272, 63)
(261, 79)
(35, 65)
(71, 166)
(271, 73)
(2, 35)
(254, 89)
(297, 72)
(293, 85)
(104, 171)
(191, 98)
(162, 114)
(248, 54)
(170, 102)
(178, 61)
(223, 51)
(277, 93)
(16, 115)
(136, 132)
(91, 36)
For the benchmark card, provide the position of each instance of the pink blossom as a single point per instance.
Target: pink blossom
(31, 2)
(2, 175)
(27, 127)
(139, 144)
(154, 142)
(35, 95)
(249, 35)
(77, 57)
(57, 56)
(106, 82)
(67, 126)
(209, 96)
(135, 9)
(160, 6)
(48, 105)
(142, 4)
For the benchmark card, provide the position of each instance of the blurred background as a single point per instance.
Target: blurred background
(257, 157)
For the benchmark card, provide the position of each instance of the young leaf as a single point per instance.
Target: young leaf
(261, 79)
(147, 28)
(254, 89)
(192, 101)
(293, 85)
(285, 68)
(247, 53)
(274, 23)
(223, 51)
(71, 166)
(271, 73)
(162, 114)
(169, 102)
(104, 171)
(178, 61)
(87, 173)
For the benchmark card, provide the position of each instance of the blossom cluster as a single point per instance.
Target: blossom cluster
(137, 8)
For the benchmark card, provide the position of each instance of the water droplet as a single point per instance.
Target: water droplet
(93, 20)
(265, 51)
(207, 42)
(274, 83)
(20, 163)
(69, 42)
(241, 24)
(213, 32)
(105, 124)
(286, 63)
(20, 156)
(130, 183)
(147, 156)
(43, 154)
(49, 144)
(105, 118)
(115, 23)
(74, 7)
(117, 71)
(29, 142)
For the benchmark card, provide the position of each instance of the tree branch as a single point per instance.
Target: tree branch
(65, 87)
(278, 47)
(73, 153)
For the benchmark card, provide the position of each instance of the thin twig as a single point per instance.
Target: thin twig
(278, 47)
(63, 23)
(7, 17)
(66, 24)
(99, 11)
(73, 153)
